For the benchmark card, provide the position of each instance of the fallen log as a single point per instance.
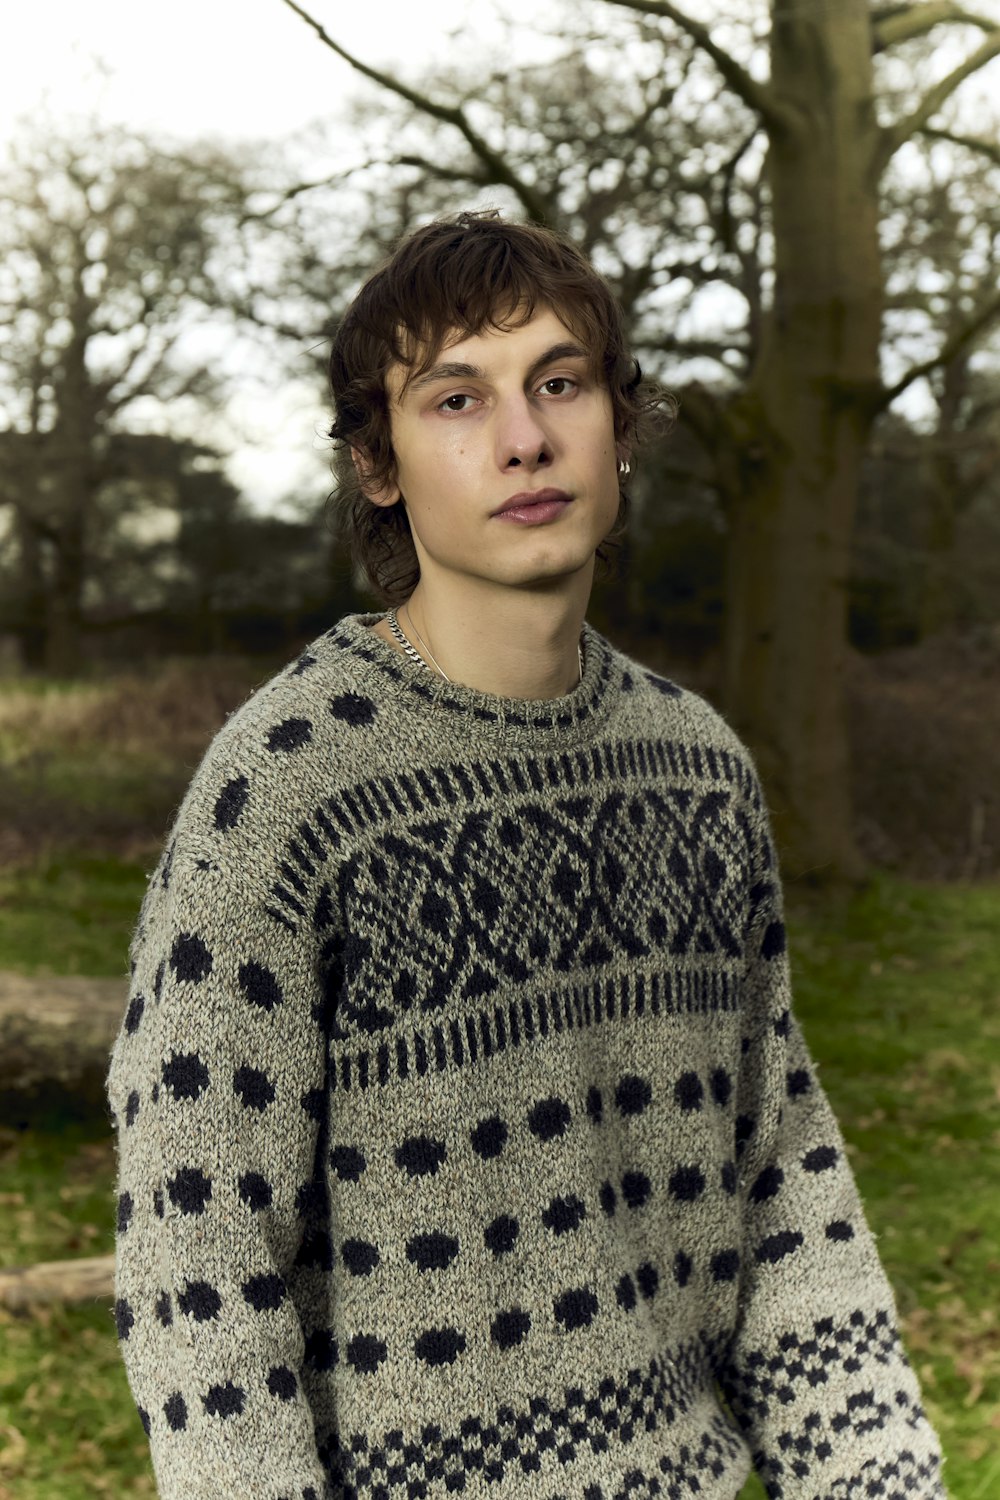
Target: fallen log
(87, 1279)
(56, 1035)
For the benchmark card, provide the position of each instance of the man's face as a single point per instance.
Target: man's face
(501, 413)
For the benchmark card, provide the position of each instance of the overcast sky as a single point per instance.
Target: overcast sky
(238, 69)
(244, 69)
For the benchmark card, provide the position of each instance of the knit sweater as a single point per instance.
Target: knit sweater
(467, 1139)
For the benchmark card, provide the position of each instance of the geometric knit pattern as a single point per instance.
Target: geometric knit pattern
(468, 1142)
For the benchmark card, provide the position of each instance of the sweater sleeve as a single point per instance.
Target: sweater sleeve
(816, 1375)
(216, 1087)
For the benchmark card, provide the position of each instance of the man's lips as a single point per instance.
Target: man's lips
(531, 497)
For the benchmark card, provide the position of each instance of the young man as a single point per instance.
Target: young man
(468, 1142)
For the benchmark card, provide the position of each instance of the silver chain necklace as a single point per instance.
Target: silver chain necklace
(401, 638)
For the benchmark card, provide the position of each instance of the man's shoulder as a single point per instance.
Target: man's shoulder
(683, 718)
(300, 730)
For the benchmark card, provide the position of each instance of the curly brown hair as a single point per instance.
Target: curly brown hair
(451, 279)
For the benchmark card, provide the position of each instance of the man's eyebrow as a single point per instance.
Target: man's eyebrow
(451, 370)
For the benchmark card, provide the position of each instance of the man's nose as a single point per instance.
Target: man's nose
(520, 435)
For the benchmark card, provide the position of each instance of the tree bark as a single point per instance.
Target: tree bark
(797, 435)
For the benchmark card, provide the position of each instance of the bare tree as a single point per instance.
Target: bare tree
(791, 189)
(107, 247)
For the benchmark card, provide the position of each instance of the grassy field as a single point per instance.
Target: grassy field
(897, 988)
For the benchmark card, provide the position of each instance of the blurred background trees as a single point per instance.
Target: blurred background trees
(115, 253)
(802, 227)
(741, 188)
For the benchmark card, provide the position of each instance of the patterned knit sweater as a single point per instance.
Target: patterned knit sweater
(467, 1141)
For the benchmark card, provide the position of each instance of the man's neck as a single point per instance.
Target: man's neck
(525, 648)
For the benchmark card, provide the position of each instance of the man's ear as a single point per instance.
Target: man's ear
(385, 494)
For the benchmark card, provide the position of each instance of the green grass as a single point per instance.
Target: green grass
(68, 1425)
(897, 990)
(72, 913)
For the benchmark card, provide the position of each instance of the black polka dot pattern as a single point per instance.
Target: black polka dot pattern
(576, 1308)
(124, 1318)
(360, 1257)
(510, 1327)
(432, 1252)
(225, 1400)
(625, 1293)
(134, 1014)
(289, 735)
(230, 803)
(636, 1188)
(348, 1162)
(264, 1292)
(766, 1185)
(281, 1382)
(175, 1411)
(421, 1156)
(185, 1075)
(253, 1087)
(633, 1094)
(439, 1346)
(255, 1190)
(190, 1190)
(199, 1300)
(489, 1137)
(365, 1353)
(686, 1184)
(725, 1265)
(821, 1159)
(688, 1091)
(259, 985)
(564, 1214)
(190, 958)
(321, 1351)
(549, 1118)
(501, 1234)
(352, 708)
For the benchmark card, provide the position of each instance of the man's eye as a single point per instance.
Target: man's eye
(562, 380)
(446, 404)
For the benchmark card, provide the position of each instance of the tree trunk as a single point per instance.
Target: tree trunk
(76, 478)
(937, 599)
(33, 610)
(63, 637)
(797, 436)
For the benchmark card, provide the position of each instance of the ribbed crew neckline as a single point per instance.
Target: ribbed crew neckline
(579, 712)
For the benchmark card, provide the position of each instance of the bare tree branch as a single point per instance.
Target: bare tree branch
(775, 115)
(958, 340)
(894, 136)
(900, 23)
(500, 172)
(444, 174)
(971, 142)
(298, 188)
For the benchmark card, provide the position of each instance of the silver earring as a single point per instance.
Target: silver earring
(624, 467)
